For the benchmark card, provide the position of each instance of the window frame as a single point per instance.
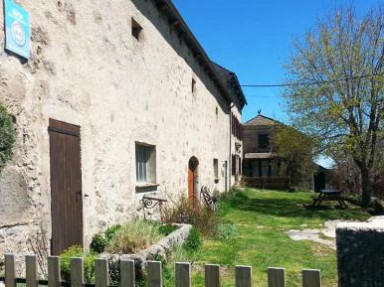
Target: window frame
(147, 151)
(216, 170)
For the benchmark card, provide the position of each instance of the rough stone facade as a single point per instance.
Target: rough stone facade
(88, 70)
(360, 253)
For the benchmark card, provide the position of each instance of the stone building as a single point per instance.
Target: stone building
(260, 160)
(263, 166)
(118, 100)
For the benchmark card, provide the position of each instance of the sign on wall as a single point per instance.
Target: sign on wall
(17, 29)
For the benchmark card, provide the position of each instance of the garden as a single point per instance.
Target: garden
(250, 228)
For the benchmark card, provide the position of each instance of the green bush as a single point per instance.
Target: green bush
(7, 136)
(194, 241)
(111, 231)
(167, 229)
(226, 231)
(134, 236)
(99, 242)
(89, 263)
(1, 267)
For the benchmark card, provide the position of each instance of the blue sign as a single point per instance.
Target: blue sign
(17, 29)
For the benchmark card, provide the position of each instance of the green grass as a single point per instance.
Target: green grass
(261, 219)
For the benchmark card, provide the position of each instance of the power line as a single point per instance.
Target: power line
(309, 83)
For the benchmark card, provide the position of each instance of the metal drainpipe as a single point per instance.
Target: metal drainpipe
(230, 146)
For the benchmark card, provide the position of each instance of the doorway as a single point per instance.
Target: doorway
(66, 188)
(192, 179)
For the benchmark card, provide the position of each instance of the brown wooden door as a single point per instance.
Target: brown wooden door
(67, 205)
(191, 185)
(192, 179)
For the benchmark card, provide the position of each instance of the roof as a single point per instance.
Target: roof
(176, 20)
(233, 85)
(261, 120)
(260, 155)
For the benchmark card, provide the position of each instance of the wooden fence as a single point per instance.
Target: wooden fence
(243, 274)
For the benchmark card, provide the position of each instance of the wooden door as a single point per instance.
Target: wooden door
(66, 193)
(192, 179)
(191, 185)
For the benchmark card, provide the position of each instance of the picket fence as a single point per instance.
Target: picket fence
(243, 274)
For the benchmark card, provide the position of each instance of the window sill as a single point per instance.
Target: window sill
(146, 185)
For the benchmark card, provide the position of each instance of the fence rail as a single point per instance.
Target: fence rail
(243, 274)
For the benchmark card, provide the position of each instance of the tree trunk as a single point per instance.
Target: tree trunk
(366, 188)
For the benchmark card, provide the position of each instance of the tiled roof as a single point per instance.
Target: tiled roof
(233, 85)
(261, 120)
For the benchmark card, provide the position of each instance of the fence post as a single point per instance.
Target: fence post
(10, 278)
(54, 276)
(31, 271)
(154, 274)
(212, 275)
(182, 274)
(77, 272)
(311, 278)
(101, 273)
(243, 276)
(127, 273)
(276, 277)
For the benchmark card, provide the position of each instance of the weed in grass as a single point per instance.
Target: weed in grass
(194, 240)
(226, 231)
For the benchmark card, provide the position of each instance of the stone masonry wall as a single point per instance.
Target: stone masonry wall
(360, 254)
(87, 69)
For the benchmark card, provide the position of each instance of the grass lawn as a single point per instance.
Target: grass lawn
(261, 219)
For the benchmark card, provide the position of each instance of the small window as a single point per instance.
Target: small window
(216, 169)
(263, 141)
(145, 164)
(136, 29)
(193, 86)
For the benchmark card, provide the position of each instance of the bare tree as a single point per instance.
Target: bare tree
(336, 90)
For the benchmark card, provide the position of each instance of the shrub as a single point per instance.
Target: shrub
(7, 136)
(99, 242)
(134, 236)
(194, 241)
(167, 229)
(1, 267)
(226, 231)
(198, 215)
(111, 231)
(89, 263)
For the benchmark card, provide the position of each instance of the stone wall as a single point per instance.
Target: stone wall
(87, 69)
(360, 253)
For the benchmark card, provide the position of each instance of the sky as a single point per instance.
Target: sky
(254, 38)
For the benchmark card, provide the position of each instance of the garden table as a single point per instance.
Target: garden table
(329, 195)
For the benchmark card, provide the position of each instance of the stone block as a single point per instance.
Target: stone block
(360, 254)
